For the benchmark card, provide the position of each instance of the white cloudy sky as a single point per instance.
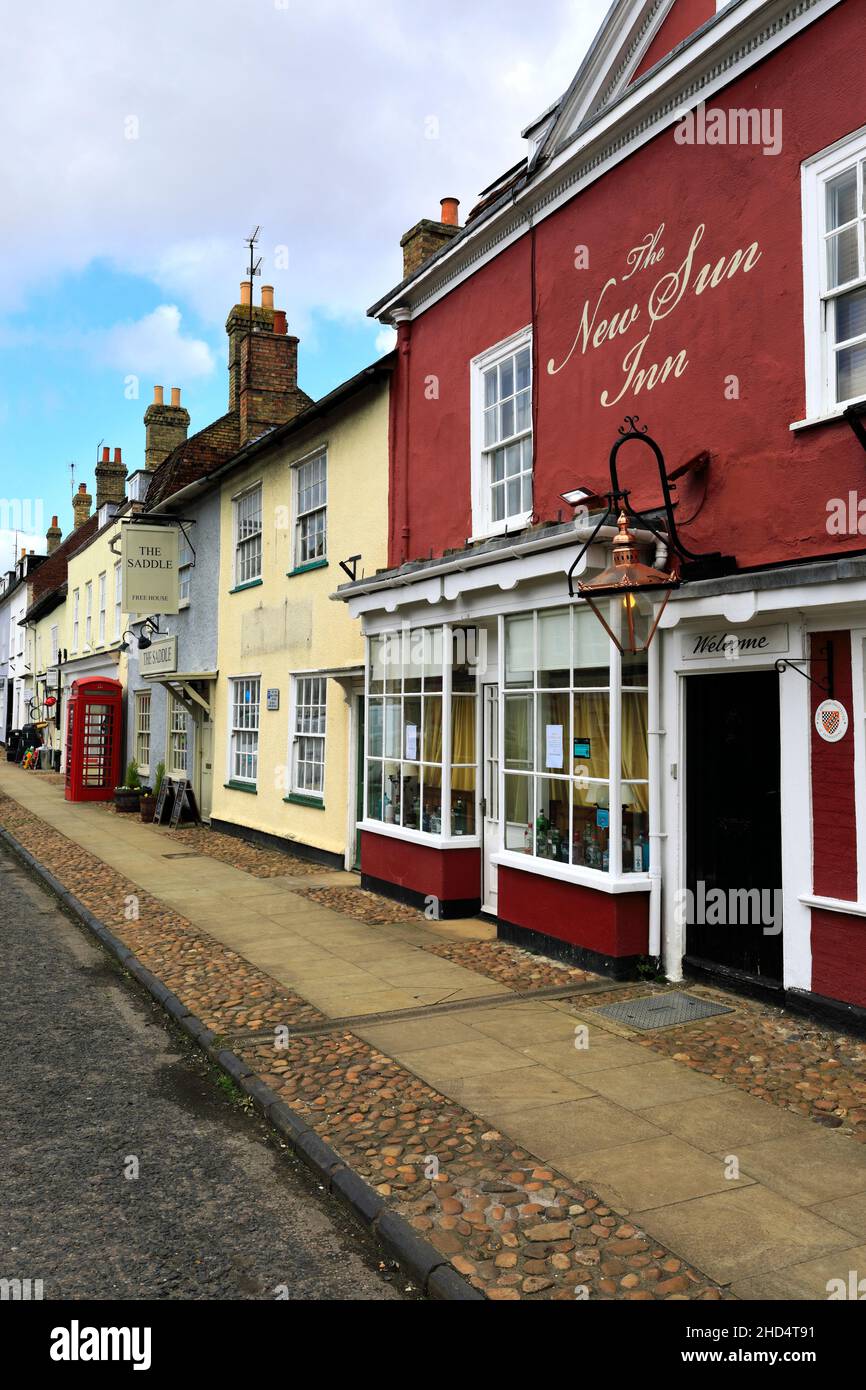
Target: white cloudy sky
(123, 254)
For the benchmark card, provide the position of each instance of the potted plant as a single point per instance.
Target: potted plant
(128, 797)
(149, 798)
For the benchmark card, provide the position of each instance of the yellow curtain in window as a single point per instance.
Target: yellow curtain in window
(635, 762)
(592, 721)
(432, 746)
(463, 742)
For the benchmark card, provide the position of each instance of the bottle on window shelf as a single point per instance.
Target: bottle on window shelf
(527, 840)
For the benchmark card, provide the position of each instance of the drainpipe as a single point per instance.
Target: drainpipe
(402, 320)
(655, 736)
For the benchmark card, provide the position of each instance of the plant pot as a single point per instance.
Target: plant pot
(127, 798)
(147, 806)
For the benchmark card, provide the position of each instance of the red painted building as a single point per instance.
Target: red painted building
(685, 243)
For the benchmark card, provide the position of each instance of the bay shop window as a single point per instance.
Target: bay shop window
(571, 760)
(421, 732)
(574, 764)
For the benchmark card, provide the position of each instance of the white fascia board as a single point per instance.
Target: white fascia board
(737, 608)
(742, 37)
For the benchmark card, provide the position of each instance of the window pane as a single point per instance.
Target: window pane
(391, 794)
(552, 754)
(842, 199)
(411, 796)
(374, 790)
(506, 419)
(490, 395)
(590, 749)
(497, 503)
(851, 372)
(392, 656)
(462, 729)
(512, 461)
(392, 740)
(490, 434)
(590, 825)
(463, 801)
(506, 378)
(464, 642)
(377, 666)
(518, 732)
(432, 748)
(554, 648)
(519, 660)
(523, 411)
(524, 368)
(634, 669)
(843, 262)
(634, 736)
(851, 316)
(635, 828)
(551, 820)
(591, 650)
(411, 728)
(519, 812)
(433, 658)
(374, 729)
(431, 813)
(497, 466)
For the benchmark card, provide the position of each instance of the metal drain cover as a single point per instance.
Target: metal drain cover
(662, 1010)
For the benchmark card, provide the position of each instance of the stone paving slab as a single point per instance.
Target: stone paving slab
(637, 1177)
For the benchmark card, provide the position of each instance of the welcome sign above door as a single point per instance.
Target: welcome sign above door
(732, 643)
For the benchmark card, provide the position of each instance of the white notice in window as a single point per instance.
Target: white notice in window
(412, 742)
(554, 745)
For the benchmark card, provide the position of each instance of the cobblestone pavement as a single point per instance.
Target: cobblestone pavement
(362, 905)
(510, 965)
(788, 1061)
(93, 1077)
(515, 1229)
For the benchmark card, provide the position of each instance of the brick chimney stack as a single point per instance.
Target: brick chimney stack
(423, 240)
(81, 504)
(110, 479)
(53, 537)
(165, 426)
(263, 365)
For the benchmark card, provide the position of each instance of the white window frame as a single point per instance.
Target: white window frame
(76, 606)
(303, 740)
(239, 580)
(818, 299)
(173, 735)
(101, 593)
(320, 454)
(483, 524)
(88, 614)
(143, 728)
(184, 569)
(118, 601)
(55, 644)
(234, 729)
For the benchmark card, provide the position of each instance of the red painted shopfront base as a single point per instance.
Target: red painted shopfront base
(418, 874)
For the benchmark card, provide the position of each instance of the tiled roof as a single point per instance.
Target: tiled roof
(52, 572)
(196, 457)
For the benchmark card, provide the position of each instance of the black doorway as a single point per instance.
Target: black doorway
(733, 824)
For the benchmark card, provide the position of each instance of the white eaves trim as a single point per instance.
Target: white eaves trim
(742, 35)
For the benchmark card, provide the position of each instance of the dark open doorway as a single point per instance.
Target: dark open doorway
(733, 825)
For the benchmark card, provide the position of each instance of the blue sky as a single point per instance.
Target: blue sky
(143, 142)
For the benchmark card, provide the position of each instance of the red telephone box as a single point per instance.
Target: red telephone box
(94, 717)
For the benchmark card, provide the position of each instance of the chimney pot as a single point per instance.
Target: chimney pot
(106, 452)
(117, 456)
(267, 296)
(82, 487)
(280, 322)
(54, 521)
(449, 211)
(175, 396)
(157, 395)
(245, 292)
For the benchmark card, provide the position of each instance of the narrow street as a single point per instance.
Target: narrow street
(96, 1087)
